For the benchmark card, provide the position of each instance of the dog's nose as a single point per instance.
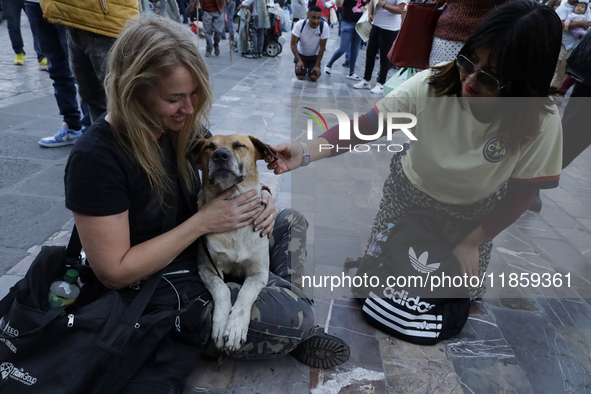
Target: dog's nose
(221, 155)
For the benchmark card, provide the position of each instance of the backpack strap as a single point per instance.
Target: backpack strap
(303, 25)
(306, 21)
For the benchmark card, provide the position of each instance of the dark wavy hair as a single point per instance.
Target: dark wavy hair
(524, 39)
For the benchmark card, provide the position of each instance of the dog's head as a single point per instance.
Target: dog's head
(228, 160)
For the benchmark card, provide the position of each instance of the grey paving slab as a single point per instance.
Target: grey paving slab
(542, 352)
(30, 219)
(15, 170)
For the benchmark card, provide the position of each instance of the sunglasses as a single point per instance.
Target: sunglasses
(486, 81)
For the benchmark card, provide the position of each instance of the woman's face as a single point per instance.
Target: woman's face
(171, 99)
(471, 88)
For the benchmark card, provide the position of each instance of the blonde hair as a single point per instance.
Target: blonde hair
(146, 51)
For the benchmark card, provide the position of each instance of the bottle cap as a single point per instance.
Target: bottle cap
(71, 276)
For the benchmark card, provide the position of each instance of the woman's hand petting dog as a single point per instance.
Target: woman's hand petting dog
(266, 220)
(224, 213)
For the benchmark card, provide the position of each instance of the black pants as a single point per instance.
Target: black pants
(382, 40)
(575, 125)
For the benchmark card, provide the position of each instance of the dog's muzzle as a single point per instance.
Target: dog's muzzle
(223, 165)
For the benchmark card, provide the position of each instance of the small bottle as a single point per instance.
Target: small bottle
(64, 292)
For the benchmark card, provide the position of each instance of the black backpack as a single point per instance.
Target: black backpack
(407, 259)
(321, 25)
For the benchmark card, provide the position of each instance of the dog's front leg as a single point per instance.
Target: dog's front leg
(237, 326)
(222, 304)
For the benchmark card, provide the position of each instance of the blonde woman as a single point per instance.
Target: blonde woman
(120, 179)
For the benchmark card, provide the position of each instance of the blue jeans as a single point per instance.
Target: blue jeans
(88, 60)
(349, 39)
(52, 40)
(257, 36)
(229, 10)
(12, 12)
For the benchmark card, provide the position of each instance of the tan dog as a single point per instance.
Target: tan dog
(226, 161)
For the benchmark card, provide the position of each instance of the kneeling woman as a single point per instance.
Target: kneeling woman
(480, 154)
(129, 171)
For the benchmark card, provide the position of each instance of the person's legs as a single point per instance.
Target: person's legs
(12, 12)
(218, 24)
(52, 40)
(254, 36)
(231, 12)
(88, 60)
(347, 30)
(355, 43)
(208, 31)
(575, 126)
(183, 10)
(373, 44)
(559, 73)
(386, 40)
(261, 41)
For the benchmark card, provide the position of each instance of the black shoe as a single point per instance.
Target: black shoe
(251, 56)
(322, 351)
(346, 64)
(216, 50)
(536, 203)
(223, 36)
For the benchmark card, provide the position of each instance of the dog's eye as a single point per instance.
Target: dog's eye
(237, 145)
(211, 146)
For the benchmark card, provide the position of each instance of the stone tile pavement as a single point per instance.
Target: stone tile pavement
(532, 340)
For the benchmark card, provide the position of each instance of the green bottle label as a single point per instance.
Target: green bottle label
(56, 301)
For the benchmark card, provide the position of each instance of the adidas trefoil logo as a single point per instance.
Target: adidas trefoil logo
(420, 264)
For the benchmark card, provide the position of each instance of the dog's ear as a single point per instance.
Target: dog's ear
(195, 150)
(263, 149)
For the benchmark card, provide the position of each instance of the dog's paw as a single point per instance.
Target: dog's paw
(236, 329)
(218, 328)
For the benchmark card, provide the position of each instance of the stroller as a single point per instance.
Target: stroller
(271, 46)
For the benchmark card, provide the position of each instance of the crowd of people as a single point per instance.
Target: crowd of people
(146, 94)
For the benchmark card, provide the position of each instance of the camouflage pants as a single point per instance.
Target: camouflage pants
(282, 316)
(401, 196)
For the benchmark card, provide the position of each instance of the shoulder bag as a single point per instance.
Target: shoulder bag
(363, 27)
(412, 46)
(82, 348)
(577, 64)
(408, 258)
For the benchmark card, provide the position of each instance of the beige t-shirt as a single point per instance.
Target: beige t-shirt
(455, 160)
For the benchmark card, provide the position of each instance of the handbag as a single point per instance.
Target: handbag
(82, 348)
(415, 251)
(412, 46)
(397, 79)
(363, 26)
(334, 19)
(577, 64)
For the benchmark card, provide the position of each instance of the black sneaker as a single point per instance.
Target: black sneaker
(322, 351)
(216, 50)
(346, 64)
(536, 203)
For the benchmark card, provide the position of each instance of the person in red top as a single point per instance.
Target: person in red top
(213, 23)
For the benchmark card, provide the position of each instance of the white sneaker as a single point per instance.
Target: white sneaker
(362, 85)
(327, 71)
(354, 77)
(378, 89)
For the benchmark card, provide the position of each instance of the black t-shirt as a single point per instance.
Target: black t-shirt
(353, 9)
(103, 179)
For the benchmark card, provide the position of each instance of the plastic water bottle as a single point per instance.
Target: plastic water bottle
(64, 292)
